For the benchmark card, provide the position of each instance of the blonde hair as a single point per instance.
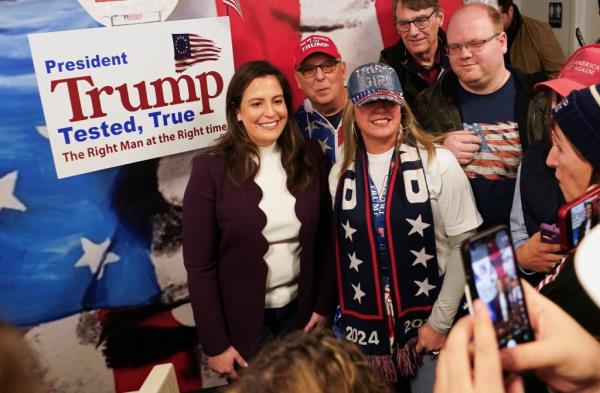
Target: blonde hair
(310, 362)
(410, 133)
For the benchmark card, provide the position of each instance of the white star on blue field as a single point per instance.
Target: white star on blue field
(43, 221)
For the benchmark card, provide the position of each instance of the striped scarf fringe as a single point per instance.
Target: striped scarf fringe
(407, 358)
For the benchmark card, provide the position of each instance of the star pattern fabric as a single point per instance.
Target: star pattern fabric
(8, 200)
(358, 293)
(44, 219)
(421, 257)
(349, 231)
(314, 126)
(424, 287)
(368, 264)
(354, 261)
(96, 257)
(417, 225)
(324, 145)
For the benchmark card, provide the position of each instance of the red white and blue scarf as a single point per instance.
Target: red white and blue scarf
(411, 262)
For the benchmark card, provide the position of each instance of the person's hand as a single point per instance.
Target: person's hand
(223, 363)
(463, 144)
(429, 339)
(563, 354)
(538, 256)
(472, 338)
(316, 322)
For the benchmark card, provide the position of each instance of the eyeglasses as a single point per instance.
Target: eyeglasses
(472, 46)
(420, 22)
(310, 70)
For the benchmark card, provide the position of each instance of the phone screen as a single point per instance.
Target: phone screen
(577, 217)
(493, 276)
(582, 219)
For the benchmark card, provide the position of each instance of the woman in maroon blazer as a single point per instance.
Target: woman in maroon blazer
(256, 230)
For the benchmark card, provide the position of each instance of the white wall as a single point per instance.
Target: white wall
(589, 20)
(538, 9)
(576, 13)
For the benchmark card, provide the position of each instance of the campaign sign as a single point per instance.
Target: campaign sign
(113, 96)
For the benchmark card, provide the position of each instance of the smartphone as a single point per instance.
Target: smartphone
(491, 271)
(578, 217)
(549, 233)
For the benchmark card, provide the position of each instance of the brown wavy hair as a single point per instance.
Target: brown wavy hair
(411, 133)
(238, 150)
(310, 362)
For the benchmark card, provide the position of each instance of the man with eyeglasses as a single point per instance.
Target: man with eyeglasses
(418, 57)
(320, 74)
(532, 45)
(483, 109)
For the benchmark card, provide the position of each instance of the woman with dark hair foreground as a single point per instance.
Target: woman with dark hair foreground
(256, 225)
(575, 156)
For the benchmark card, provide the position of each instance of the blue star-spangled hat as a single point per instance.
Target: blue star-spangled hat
(372, 82)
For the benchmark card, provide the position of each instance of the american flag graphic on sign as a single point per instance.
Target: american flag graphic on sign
(191, 49)
(235, 4)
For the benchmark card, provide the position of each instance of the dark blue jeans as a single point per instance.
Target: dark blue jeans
(279, 322)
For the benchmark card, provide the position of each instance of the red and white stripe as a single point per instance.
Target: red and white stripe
(202, 50)
(502, 162)
(235, 4)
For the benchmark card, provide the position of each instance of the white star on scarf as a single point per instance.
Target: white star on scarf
(358, 294)
(421, 257)
(417, 225)
(349, 230)
(8, 200)
(324, 145)
(95, 256)
(424, 287)
(354, 261)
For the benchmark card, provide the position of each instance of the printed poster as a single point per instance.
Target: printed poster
(114, 96)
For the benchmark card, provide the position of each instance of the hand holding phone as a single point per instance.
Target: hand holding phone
(491, 272)
(538, 255)
(565, 356)
(578, 217)
(471, 362)
(549, 233)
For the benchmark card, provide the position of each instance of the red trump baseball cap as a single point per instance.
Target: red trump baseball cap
(581, 70)
(315, 44)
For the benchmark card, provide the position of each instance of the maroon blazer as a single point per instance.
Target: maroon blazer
(223, 250)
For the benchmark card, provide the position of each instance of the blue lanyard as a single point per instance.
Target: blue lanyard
(378, 203)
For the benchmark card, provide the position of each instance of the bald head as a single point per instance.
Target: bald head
(480, 9)
(478, 43)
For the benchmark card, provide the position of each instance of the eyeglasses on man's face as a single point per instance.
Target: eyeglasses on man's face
(471, 46)
(310, 70)
(420, 22)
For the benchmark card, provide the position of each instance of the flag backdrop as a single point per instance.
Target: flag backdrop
(74, 251)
